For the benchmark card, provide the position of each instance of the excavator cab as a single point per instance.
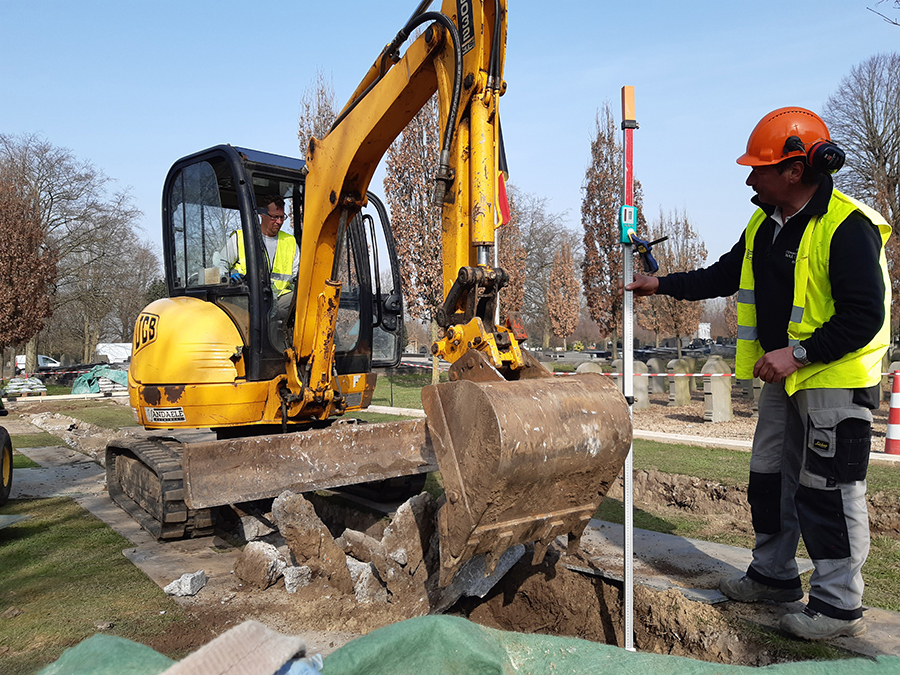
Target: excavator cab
(220, 286)
(211, 196)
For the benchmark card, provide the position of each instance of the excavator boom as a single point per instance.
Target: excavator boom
(525, 457)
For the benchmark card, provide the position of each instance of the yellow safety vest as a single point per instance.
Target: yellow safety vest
(283, 266)
(813, 304)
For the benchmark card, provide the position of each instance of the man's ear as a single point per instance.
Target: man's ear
(795, 174)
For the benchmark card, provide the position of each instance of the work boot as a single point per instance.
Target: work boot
(745, 589)
(812, 625)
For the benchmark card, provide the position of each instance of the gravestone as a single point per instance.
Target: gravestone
(679, 388)
(656, 385)
(641, 397)
(717, 391)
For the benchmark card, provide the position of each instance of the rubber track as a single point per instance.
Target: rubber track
(163, 457)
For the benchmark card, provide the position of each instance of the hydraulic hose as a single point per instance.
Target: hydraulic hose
(417, 20)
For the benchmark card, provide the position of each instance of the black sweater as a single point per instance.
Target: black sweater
(857, 285)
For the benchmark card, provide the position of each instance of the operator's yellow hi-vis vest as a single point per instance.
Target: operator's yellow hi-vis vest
(813, 304)
(283, 265)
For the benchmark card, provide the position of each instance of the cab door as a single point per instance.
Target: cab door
(369, 320)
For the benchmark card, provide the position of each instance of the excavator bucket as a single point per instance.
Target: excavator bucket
(522, 461)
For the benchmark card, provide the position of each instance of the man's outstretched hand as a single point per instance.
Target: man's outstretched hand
(642, 285)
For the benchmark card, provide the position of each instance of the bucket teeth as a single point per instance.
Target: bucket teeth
(540, 550)
(493, 556)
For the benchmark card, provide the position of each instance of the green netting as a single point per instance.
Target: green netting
(108, 655)
(450, 645)
(89, 383)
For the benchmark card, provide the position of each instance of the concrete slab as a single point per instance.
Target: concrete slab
(17, 426)
(6, 521)
(667, 559)
(165, 562)
(59, 480)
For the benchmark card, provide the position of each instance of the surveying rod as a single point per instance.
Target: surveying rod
(628, 223)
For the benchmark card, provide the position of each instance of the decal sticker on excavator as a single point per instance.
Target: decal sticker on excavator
(145, 329)
(466, 29)
(157, 415)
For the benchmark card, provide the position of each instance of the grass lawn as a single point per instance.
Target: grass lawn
(401, 390)
(20, 461)
(62, 572)
(106, 414)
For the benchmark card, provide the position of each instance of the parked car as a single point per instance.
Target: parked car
(42, 362)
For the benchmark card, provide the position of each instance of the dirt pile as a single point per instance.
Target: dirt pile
(384, 572)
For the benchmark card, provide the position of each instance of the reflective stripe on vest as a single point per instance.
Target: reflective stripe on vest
(813, 304)
(283, 267)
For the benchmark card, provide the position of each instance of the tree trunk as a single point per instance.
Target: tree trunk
(31, 355)
(87, 341)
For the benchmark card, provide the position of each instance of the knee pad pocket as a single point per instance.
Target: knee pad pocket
(838, 445)
(764, 495)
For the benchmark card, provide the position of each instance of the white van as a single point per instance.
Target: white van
(42, 362)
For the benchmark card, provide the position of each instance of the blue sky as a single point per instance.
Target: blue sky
(134, 86)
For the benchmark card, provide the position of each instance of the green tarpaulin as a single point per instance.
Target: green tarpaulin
(89, 383)
(451, 646)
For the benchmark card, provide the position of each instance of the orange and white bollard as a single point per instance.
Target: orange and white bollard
(892, 440)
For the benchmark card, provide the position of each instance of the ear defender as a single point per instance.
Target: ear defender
(826, 157)
(823, 156)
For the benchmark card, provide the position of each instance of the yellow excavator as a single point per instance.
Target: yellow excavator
(524, 457)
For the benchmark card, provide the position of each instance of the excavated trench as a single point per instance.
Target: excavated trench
(551, 598)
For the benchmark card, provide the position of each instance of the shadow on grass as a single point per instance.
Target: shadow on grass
(613, 511)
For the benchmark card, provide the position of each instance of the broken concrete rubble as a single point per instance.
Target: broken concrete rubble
(310, 541)
(360, 545)
(401, 569)
(260, 565)
(252, 523)
(366, 585)
(296, 577)
(187, 584)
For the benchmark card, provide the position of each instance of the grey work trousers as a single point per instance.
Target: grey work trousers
(808, 476)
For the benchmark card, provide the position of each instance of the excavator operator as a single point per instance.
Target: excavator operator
(282, 253)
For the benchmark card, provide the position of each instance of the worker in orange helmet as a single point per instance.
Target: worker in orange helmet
(813, 305)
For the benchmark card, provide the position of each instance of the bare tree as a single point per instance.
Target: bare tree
(731, 315)
(79, 219)
(132, 287)
(27, 266)
(543, 233)
(512, 256)
(409, 175)
(863, 116)
(563, 294)
(317, 111)
(682, 252)
(894, 22)
(651, 312)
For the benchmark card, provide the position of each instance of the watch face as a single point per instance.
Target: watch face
(800, 353)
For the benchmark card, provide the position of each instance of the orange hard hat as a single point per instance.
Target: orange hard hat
(768, 141)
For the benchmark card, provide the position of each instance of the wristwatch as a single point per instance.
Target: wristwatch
(800, 354)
